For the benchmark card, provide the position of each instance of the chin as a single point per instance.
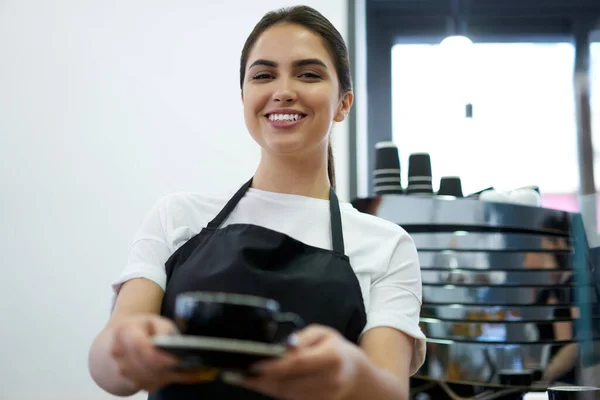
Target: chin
(289, 142)
(284, 148)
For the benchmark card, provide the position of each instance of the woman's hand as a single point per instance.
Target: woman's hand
(141, 363)
(321, 364)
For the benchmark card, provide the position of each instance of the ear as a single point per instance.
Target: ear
(344, 107)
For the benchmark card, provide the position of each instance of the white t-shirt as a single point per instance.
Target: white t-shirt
(381, 253)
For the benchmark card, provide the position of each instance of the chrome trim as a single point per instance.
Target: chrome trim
(443, 276)
(462, 312)
(485, 241)
(465, 213)
(481, 260)
(495, 295)
(492, 332)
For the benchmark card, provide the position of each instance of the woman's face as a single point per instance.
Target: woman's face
(291, 93)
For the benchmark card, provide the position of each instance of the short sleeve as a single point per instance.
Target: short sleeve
(148, 252)
(396, 296)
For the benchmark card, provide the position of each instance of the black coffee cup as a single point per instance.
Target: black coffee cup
(419, 174)
(386, 156)
(573, 393)
(386, 182)
(386, 176)
(516, 377)
(450, 186)
(233, 316)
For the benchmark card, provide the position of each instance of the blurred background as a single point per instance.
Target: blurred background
(518, 69)
(107, 106)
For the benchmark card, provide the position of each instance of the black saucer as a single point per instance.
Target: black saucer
(227, 354)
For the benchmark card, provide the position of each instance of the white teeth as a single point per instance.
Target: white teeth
(284, 117)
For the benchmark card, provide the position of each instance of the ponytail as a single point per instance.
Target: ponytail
(330, 166)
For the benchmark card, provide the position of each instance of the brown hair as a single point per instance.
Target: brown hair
(317, 23)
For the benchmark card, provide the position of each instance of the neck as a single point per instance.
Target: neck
(290, 175)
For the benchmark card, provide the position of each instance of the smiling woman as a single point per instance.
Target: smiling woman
(354, 278)
(287, 56)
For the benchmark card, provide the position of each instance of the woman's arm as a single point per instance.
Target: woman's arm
(384, 373)
(395, 304)
(136, 297)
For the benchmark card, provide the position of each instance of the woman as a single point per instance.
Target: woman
(353, 277)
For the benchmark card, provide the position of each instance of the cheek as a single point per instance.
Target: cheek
(252, 104)
(324, 102)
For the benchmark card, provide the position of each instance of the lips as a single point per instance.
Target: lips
(285, 116)
(285, 119)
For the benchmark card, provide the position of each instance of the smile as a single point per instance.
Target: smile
(285, 120)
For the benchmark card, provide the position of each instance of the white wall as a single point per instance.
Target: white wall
(106, 106)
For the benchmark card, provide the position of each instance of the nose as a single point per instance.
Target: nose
(285, 93)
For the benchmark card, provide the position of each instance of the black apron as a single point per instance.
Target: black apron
(317, 284)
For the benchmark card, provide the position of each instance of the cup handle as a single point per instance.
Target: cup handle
(288, 318)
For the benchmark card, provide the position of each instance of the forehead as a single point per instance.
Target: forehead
(285, 43)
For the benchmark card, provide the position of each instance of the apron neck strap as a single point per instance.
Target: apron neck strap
(337, 236)
(222, 216)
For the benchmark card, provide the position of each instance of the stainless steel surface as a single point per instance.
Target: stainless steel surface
(484, 241)
(498, 281)
(457, 361)
(460, 312)
(542, 278)
(423, 212)
(481, 260)
(498, 332)
(498, 295)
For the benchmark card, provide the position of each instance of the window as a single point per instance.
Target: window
(523, 128)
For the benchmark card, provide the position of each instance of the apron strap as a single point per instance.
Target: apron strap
(222, 216)
(337, 235)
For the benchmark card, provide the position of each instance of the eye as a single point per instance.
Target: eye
(310, 75)
(262, 76)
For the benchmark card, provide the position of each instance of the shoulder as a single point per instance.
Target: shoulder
(374, 227)
(187, 204)
(181, 215)
(377, 245)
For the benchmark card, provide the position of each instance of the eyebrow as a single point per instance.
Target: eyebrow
(298, 63)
